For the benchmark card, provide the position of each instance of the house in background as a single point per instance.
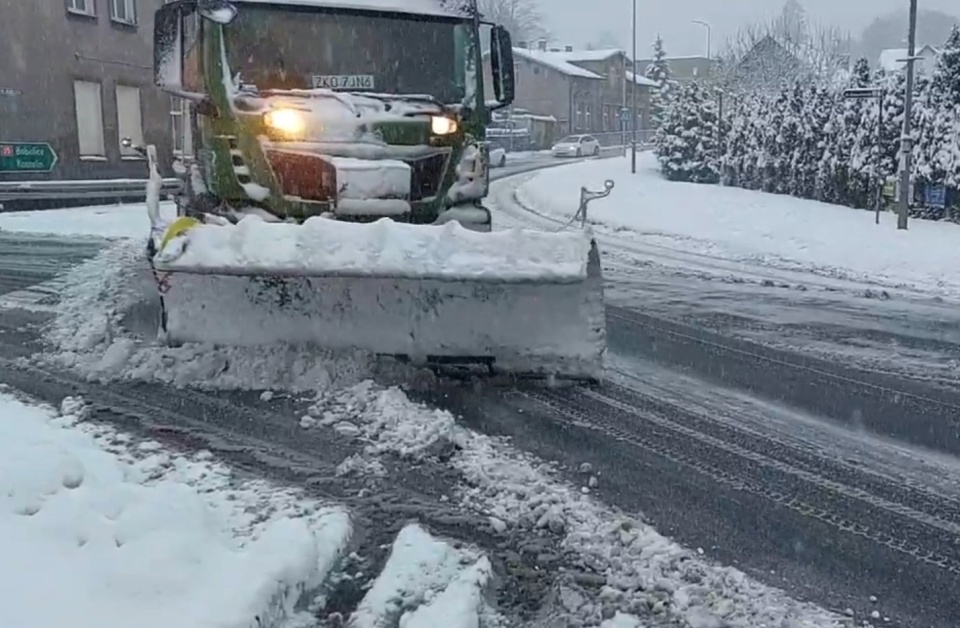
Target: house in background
(584, 90)
(766, 65)
(78, 74)
(889, 59)
(684, 69)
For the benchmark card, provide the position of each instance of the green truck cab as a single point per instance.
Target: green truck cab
(351, 109)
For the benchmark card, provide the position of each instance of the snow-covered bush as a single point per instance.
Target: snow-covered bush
(809, 141)
(687, 142)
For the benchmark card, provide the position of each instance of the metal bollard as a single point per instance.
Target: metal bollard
(587, 195)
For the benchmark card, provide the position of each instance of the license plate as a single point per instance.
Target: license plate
(343, 81)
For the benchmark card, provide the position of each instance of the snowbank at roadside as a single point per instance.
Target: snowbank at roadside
(105, 221)
(755, 228)
(96, 530)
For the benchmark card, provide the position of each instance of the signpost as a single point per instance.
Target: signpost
(860, 93)
(935, 196)
(624, 118)
(16, 157)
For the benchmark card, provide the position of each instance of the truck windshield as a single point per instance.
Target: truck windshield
(277, 48)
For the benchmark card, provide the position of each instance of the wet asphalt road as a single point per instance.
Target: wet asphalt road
(810, 472)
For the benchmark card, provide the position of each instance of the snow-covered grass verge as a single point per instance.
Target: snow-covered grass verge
(98, 530)
(753, 228)
(643, 570)
(106, 221)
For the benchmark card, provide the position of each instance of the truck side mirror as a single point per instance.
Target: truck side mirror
(501, 67)
(219, 11)
(172, 23)
(168, 46)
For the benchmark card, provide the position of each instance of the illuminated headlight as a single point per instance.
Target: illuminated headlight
(289, 122)
(442, 125)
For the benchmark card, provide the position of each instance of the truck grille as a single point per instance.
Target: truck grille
(305, 176)
(311, 178)
(427, 173)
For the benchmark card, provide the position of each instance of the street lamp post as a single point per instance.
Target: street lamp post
(707, 26)
(633, 97)
(906, 142)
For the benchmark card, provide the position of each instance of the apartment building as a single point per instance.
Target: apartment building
(77, 75)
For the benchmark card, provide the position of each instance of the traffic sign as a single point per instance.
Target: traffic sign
(624, 114)
(862, 92)
(27, 157)
(936, 196)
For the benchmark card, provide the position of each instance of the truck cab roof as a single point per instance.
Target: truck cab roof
(438, 8)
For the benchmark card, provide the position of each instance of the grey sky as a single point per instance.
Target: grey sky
(578, 21)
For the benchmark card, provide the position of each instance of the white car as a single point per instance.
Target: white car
(576, 146)
(498, 157)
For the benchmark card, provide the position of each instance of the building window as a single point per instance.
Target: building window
(180, 127)
(129, 120)
(124, 11)
(82, 7)
(89, 112)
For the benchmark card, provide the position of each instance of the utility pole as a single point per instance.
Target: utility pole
(906, 143)
(633, 97)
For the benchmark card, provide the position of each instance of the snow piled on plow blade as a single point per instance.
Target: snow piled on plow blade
(519, 302)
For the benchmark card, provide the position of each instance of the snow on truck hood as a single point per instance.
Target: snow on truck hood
(439, 8)
(339, 116)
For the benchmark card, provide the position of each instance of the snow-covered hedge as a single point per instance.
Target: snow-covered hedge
(809, 141)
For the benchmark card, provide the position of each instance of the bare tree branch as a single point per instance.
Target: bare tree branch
(521, 17)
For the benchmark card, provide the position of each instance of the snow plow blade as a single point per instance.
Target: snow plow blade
(522, 303)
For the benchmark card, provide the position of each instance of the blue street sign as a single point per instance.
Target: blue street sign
(936, 196)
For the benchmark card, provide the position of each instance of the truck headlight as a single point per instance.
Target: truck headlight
(442, 125)
(289, 122)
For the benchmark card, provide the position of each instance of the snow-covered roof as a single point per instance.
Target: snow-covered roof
(675, 58)
(441, 8)
(888, 61)
(559, 61)
(590, 55)
(642, 80)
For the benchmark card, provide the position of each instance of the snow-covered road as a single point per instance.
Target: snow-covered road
(789, 273)
(547, 524)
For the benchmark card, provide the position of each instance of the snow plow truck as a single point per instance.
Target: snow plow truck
(334, 167)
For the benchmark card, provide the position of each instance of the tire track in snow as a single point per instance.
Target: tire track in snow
(926, 533)
(905, 410)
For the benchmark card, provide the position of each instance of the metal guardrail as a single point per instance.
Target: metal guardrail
(106, 189)
(17, 194)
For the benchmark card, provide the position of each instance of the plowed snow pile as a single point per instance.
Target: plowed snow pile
(98, 531)
(106, 327)
(644, 572)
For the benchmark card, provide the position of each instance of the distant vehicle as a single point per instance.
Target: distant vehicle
(498, 157)
(576, 146)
